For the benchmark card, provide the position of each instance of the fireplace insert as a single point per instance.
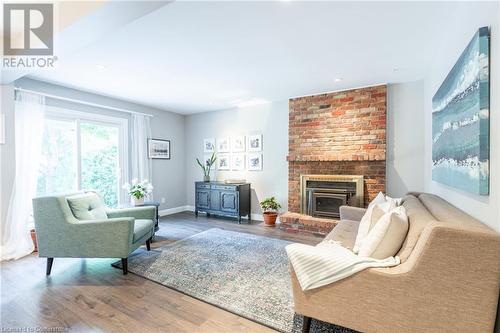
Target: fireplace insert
(324, 198)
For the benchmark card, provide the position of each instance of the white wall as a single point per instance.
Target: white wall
(469, 17)
(168, 175)
(271, 120)
(405, 138)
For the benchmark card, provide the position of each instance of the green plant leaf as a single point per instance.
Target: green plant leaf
(270, 204)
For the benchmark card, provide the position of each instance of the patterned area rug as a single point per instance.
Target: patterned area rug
(241, 273)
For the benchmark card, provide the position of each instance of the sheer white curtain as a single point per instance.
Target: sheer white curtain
(29, 125)
(140, 132)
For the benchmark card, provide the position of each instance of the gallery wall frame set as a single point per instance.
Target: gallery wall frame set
(236, 153)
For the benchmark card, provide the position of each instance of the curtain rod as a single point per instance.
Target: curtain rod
(81, 102)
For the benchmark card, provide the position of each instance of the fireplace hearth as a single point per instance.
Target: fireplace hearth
(322, 195)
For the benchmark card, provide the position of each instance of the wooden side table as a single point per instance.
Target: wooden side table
(157, 205)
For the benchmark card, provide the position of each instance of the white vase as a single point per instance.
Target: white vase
(137, 202)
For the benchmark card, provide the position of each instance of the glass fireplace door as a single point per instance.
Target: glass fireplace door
(327, 204)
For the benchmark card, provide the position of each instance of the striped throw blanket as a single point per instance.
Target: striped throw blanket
(327, 262)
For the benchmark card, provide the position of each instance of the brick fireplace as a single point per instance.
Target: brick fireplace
(339, 133)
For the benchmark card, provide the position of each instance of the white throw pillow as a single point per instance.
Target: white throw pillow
(397, 201)
(387, 235)
(378, 211)
(380, 198)
(366, 220)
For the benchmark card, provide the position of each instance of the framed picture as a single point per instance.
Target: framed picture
(223, 145)
(159, 149)
(254, 142)
(223, 162)
(238, 144)
(238, 162)
(209, 145)
(254, 162)
(461, 122)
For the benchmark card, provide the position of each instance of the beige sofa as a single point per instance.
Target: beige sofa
(448, 280)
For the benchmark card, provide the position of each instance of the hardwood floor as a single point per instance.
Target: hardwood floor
(88, 295)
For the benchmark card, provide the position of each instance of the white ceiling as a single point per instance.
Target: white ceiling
(190, 57)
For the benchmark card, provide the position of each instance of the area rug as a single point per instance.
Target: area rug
(241, 273)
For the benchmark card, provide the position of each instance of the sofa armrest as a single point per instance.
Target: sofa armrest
(351, 213)
(142, 212)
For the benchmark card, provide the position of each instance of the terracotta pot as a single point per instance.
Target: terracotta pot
(270, 218)
(33, 237)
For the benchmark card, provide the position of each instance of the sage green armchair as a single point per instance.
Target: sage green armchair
(79, 225)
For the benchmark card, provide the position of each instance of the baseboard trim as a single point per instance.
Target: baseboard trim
(257, 217)
(188, 208)
(175, 210)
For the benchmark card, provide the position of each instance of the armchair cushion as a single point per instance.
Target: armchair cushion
(142, 228)
(87, 206)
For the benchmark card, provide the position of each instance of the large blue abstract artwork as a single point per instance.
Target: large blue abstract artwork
(460, 121)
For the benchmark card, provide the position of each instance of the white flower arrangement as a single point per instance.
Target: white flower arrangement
(138, 189)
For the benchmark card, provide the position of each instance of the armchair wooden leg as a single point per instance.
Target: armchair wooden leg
(306, 325)
(49, 265)
(148, 244)
(125, 266)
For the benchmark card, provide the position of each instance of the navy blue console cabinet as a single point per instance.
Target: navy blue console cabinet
(219, 198)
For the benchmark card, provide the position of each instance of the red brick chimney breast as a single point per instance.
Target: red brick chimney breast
(340, 133)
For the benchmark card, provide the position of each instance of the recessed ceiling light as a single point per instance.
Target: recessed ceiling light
(338, 79)
(100, 67)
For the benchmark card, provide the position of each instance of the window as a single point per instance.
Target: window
(83, 151)
(58, 167)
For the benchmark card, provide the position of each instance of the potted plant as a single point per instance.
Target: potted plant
(138, 191)
(270, 211)
(207, 166)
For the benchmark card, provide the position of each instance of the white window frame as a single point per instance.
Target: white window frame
(122, 124)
